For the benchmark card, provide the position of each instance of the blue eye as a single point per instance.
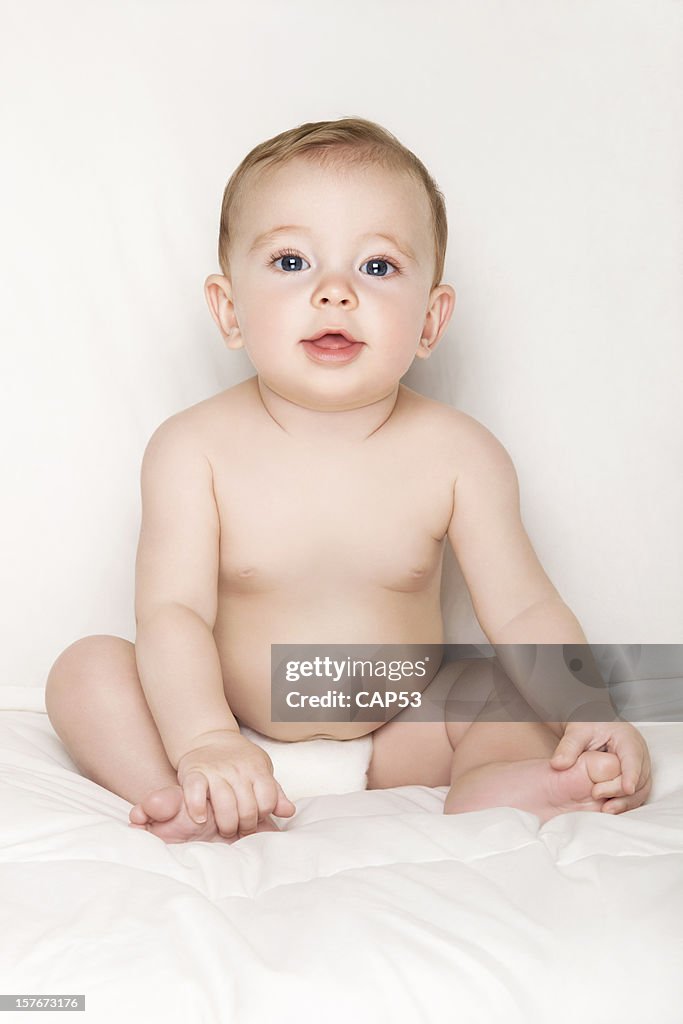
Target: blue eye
(288, 257)
(290, 260)
(377, 263)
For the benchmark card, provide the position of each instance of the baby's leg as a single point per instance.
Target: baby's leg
(98, 709)
(492, 748)
(502, 758)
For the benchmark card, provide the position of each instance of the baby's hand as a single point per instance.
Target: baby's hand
(634, 783)
(238, 777)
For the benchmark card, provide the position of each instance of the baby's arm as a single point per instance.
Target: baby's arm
(176, 596)
(529, 625)
(517, 606)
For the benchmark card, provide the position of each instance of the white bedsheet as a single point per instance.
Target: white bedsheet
(368, 906)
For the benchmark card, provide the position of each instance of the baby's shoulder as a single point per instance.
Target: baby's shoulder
(199, 433)
(211, 418)
(445, 422)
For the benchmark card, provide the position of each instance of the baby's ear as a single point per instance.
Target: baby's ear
(424, 349)
(441, 306)
(218, 293)
(234, 338)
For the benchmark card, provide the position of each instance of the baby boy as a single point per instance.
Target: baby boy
(310, 505)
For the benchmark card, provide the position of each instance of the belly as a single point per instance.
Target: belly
(248, 623)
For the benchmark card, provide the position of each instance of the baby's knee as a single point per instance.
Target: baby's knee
(92, 659)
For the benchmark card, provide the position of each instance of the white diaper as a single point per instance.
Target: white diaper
(316, 767)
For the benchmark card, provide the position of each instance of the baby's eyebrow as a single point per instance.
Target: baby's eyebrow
(268, 236)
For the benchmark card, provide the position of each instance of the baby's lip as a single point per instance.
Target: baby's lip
(335, 330)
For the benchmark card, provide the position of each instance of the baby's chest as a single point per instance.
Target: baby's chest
(311, 527)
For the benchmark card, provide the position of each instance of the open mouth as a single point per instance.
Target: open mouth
(332, 348)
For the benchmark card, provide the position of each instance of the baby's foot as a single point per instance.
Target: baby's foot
(164, 813)
(534, 785)
(570, 789)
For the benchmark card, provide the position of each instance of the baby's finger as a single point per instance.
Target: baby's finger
(611, 788)
(645, 772)
(195, 790)
(631, 765)
(627, 803)
(247, 808)
(615, 806)
(571, 745)
(266, 794)
(224, 804)
(284, 808)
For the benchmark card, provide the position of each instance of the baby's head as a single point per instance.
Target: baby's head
(332, 225)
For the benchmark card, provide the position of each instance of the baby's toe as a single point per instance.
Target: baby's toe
(137, 816)
(162, 804)
(601, 767)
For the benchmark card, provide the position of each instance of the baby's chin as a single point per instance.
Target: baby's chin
(333, 390)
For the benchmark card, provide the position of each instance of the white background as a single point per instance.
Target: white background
(554, 130)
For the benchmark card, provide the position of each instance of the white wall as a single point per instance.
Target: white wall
(554, 131)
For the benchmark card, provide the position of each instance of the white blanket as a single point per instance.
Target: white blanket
(368, 906)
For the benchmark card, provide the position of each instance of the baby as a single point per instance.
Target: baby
(310, 504)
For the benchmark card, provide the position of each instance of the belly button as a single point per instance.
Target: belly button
(245, 572)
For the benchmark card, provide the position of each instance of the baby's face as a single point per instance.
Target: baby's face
(332, 267)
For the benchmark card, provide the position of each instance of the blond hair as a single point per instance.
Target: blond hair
(348, 141)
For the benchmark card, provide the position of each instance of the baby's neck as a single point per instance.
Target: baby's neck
(319, 426)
